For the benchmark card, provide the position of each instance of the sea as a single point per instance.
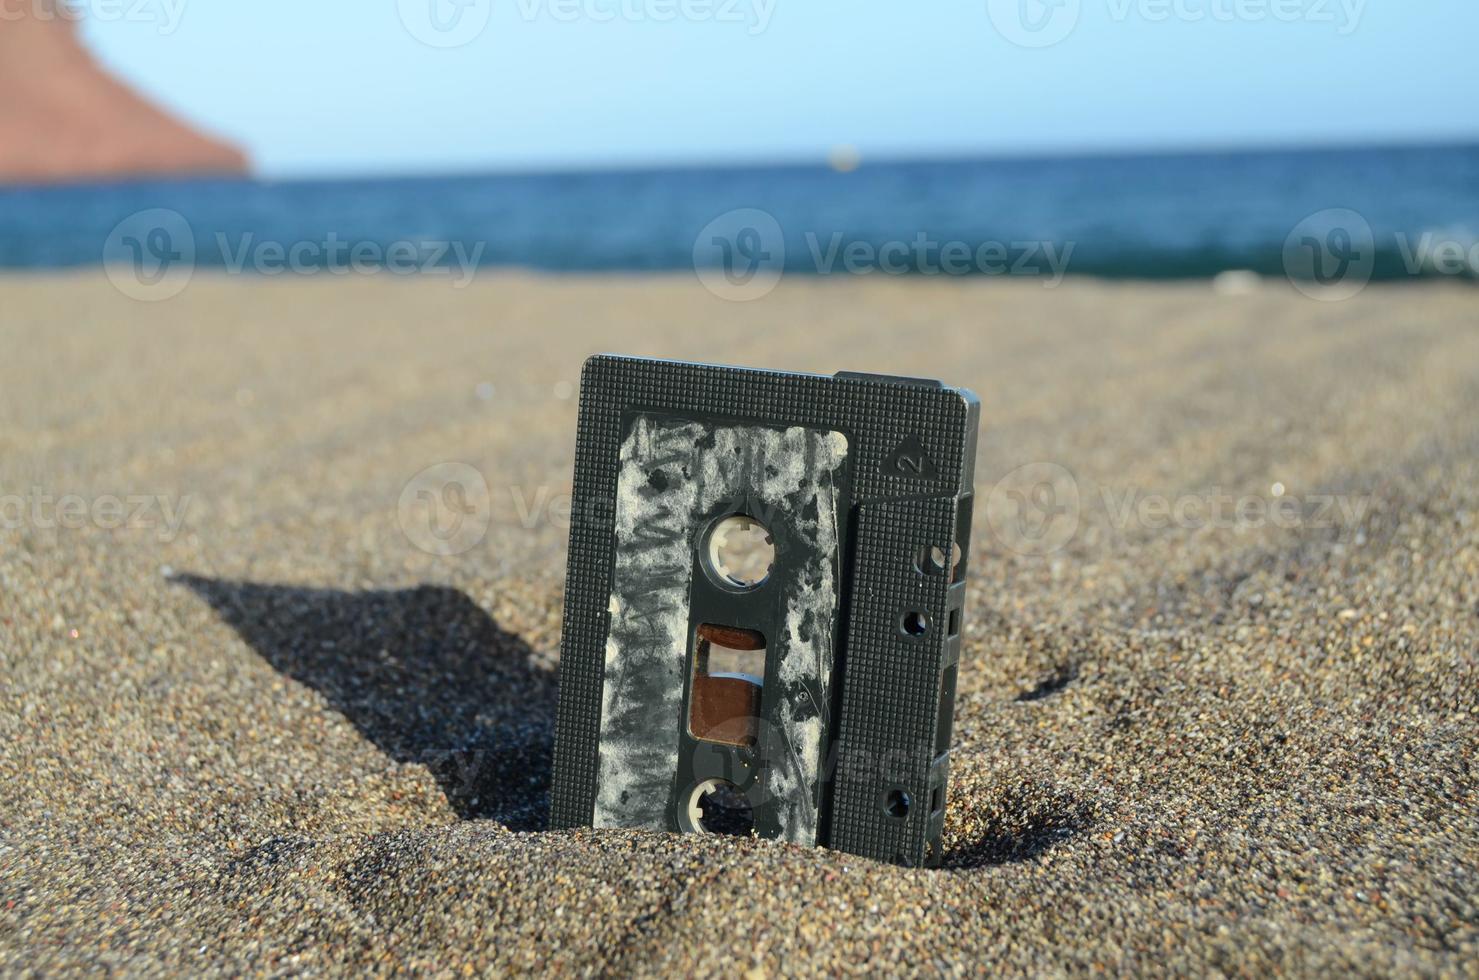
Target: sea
(1404, 211)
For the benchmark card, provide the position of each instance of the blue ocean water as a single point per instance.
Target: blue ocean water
(1147, 216)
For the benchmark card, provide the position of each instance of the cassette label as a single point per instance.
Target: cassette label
(681, 479)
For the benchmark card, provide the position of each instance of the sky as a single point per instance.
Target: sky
(327, 87)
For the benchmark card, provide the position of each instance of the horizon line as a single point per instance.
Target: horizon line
(789, 161)
(758, 162)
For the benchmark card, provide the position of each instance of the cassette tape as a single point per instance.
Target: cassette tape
(763, 604)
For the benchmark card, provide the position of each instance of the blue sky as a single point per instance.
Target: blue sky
(315, 87)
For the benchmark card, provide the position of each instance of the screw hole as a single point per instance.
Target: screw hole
(914, 623)
(896, 804)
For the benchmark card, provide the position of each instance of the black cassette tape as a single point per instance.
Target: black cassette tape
(763, 604)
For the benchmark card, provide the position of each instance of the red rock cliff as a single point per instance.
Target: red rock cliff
(63, 118)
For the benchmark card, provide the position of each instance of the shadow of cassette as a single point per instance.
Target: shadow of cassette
(424, 673)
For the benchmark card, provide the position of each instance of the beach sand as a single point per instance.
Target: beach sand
(259, 728)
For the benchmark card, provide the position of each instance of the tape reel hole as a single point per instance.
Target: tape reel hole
(741, 551)
(716, 806)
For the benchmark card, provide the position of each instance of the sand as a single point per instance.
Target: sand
(257, 728)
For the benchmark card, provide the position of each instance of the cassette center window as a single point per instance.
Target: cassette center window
(728, 675)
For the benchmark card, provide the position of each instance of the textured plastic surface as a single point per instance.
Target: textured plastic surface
(900, 482)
